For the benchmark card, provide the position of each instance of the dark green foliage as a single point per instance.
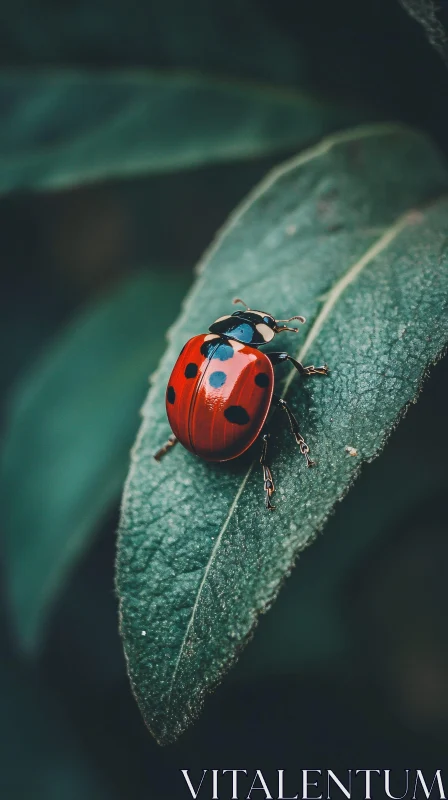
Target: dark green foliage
(65, 128)
(71, 425)
(352, 234)
(232, 38)
(129, 132)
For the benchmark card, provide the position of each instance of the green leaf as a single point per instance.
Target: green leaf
(307, 626)
(66, 447)
(429, 15)
(67, 127)
(352, 234)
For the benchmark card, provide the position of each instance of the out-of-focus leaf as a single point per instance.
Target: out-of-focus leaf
(236, 37)
(40, 756)
(66, 445)
(428, 14)
(352, 234)
(64, 128)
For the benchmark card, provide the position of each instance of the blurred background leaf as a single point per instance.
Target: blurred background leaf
(72, 422)
(65, 128)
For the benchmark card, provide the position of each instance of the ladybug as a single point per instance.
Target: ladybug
(222, 388)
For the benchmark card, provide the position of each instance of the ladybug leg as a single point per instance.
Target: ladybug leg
(312, 370)
(278, 358)
(167, 446)
(267, 474)
(304, 449)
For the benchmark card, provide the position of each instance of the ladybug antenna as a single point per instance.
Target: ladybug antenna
(279, 328)
(238, 300)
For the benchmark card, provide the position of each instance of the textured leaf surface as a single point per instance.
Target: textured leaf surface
(353, 235)
(68, 127)
(307, 626)
(66, 445)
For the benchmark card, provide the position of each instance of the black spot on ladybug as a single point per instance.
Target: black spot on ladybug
(217, 379)
(216, 348)
(208, 347)
(223, 352)
(262, 380)
(237, 414)
(170, 395)
(191, 370)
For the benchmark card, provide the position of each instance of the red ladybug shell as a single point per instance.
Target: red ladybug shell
(218, 396)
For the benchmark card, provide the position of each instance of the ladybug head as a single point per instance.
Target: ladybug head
(251, 327)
